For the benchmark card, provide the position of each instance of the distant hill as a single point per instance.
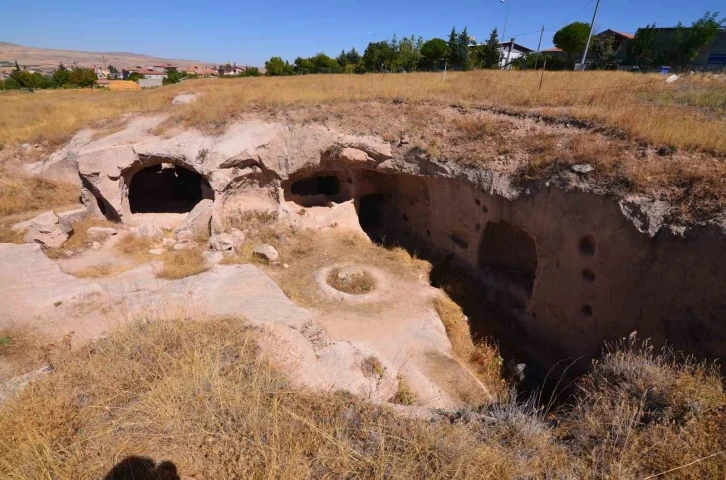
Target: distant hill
(41, 58)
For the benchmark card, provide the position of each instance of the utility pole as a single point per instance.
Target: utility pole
(504, 32)
(539, 45)
(587, 45)
(509, 52)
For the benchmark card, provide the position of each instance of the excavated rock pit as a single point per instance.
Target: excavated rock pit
(553, 272)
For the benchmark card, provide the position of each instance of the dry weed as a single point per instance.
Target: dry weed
(21, 193)
(182, 263)
(482, 357)
(135, 245)
(198, 395)
(356, 286)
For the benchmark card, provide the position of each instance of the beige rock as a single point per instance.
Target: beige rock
(157, 251)
(268, 252)
(222, 242)
(184, 235)
(351, 273)
(185, 245)
(101, 234)
(48, 230)
(198, 220)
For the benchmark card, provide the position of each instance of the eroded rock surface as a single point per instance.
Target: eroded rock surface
(48, 230)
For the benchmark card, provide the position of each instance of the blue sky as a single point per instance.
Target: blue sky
(250, 32)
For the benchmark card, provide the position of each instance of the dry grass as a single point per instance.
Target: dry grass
(182, 263)
(686, 114)
(102, 270)
(198, 394)
(134, 245)
(358, 285)
(21, 351)
(8, 235)
(482, 358)
(21, 193)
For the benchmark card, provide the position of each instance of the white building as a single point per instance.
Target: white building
(510, 52)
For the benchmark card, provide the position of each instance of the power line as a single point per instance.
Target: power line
(556, 27)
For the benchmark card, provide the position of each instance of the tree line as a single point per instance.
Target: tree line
(62, 78)
(407, 54)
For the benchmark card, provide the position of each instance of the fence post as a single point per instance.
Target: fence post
(542, 76)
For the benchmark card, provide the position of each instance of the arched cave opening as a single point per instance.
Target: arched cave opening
(317, 190)
(167, 188)
(486, 266)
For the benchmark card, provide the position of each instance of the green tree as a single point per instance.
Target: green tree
(134, 77)
(640, 49)
(378, 57)
(83, 77)
(172, 76)
(353, 57)
(603, 53)
(572, 38)
(24, 78)
(325, 64)
(112, 70)
(275, 66)
(11, 84)
(409, 53)
(62, 75)
(251, 72)
(452, 49)
(487, 55)
(687, 42)
(433, 53)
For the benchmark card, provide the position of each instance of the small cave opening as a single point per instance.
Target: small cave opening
(317, 190)
(508, 254)
(167, 188)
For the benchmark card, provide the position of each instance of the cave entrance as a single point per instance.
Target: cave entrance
(317, 190)
(166, 188)
(508, 255)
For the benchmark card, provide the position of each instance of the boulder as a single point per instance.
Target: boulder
(266, 252)
(238, 238)
(222, 242)
(582, 168)
(198, 220)
(156, 251)
(184, 98)
(185, 245)
(48, 230)
(150, 231)
(184, 235)
(101, 234)
(168, 242)
(350, 274)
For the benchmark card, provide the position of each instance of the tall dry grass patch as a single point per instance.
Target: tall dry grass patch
(182, 263)
(20, 193)
(685, 114)
(198, 394)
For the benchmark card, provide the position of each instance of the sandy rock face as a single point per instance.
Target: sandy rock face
(197, 221)
(100, 234)
(48, 230)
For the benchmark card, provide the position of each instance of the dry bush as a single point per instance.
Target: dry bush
(182, 263)
(21, 193)
(21, 351)
(134, 245)
(355, 286)
(8, 235)
(196, 393)
(102, 270)
(404, 395)
(640, 412)
(482, 357)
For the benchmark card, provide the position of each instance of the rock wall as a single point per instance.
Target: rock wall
(570, 268)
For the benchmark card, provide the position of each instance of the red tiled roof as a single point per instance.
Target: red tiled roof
(145, 71)
(552, 50)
